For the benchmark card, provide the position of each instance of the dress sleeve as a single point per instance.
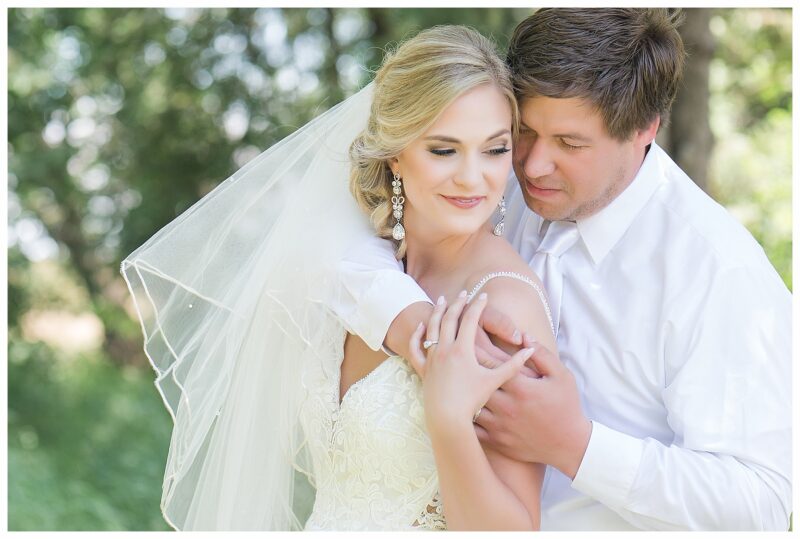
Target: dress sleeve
(728, 401)
(374, 290)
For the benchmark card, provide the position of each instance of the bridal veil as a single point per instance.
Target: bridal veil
(232, 300)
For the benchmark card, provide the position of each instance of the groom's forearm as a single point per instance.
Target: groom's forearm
(401, 328)
(667, 487)
(368, 291)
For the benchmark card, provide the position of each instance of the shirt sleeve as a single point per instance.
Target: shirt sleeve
(374, 290)
(728, 401)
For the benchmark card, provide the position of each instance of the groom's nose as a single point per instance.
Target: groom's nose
(538, 160)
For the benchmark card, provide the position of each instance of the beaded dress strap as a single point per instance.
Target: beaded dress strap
(519, 277)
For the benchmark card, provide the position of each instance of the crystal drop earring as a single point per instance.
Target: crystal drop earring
(398, 232)
(498, 228)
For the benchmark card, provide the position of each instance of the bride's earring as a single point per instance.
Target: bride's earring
(498, 228)
(398, 232)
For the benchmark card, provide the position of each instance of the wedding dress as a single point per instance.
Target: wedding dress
(371, 454)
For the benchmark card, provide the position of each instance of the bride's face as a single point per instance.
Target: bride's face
(455, 173)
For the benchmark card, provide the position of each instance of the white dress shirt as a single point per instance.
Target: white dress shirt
(678, 331)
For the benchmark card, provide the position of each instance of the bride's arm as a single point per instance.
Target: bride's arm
(482, 489)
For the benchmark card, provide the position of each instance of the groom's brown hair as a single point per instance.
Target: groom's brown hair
(627, 62)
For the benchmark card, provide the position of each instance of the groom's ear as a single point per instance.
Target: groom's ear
(645, 136)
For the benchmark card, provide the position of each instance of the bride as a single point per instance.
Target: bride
(265, 384)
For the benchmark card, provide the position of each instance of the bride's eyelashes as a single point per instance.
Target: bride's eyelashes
(450, 151)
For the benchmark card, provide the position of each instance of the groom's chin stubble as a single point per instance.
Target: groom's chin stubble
(545, 210)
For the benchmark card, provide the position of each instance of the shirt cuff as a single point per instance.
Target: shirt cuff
(609, 466)
(392, 292)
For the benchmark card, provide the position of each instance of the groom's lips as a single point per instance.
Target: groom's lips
(539, 192)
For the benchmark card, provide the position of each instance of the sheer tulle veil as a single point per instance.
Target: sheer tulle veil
(232, 299)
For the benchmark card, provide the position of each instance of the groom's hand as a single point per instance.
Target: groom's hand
(538, 419)
(495, 323)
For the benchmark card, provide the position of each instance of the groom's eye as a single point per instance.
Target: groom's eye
(442, 151)
(569, 146)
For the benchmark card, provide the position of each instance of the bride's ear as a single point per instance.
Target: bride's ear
(394, 165)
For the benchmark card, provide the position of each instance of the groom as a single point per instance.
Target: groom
(671, 406)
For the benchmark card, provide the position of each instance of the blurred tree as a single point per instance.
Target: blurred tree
(751, 115)
(731, 121)
(688, 139)
(86, 446)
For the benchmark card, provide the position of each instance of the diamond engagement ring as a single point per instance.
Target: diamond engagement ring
(478, 413)
(428, 344)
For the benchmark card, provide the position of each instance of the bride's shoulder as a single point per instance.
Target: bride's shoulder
(499, 257)
(514, 290)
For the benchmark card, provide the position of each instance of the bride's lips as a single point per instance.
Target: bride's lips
(539, 192)
(464, 202)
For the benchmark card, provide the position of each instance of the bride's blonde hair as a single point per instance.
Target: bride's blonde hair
(413, 86)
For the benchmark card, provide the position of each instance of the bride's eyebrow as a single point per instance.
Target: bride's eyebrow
(443, 138)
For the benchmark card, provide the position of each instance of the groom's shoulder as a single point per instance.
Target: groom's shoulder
(693, 218)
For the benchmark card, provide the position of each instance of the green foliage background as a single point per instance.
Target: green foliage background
(120, 119)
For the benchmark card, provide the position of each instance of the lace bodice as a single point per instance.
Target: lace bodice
(373, 463)
(376, 471)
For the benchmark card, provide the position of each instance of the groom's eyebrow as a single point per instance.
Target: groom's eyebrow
(443, 138)
(574, 136)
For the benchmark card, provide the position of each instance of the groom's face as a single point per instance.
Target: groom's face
(567, 164)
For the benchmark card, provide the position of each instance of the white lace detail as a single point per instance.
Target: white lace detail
(432, 517)
(519, 277)
(372, 459)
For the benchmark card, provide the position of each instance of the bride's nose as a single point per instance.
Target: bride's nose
(469, 174)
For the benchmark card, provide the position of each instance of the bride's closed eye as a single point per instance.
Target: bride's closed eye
(500, 151)
(450, 151)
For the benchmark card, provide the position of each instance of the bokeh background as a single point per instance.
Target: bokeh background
(120, 119)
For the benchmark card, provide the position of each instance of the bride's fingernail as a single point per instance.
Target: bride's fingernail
(462, 294)
(482, 296)
(440, 301)
(516, 337)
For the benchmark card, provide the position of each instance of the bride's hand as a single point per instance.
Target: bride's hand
(455, 384)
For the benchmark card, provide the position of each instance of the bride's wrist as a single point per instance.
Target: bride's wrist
(450, 429)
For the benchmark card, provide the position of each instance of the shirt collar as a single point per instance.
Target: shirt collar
(602, 231)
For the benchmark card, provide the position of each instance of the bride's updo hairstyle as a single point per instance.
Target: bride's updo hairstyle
(414, 85)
